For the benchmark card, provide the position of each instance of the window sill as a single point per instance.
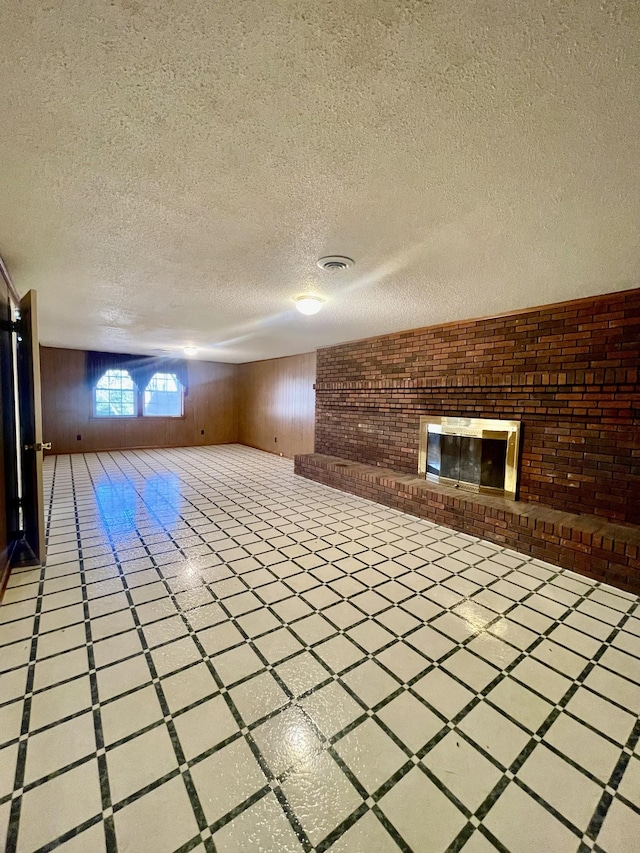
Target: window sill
(106, 419)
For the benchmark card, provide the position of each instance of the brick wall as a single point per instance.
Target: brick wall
(569, 372)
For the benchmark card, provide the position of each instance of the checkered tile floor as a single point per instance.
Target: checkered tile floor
(222, 656)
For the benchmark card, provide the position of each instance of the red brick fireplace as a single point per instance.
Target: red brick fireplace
(568, 372)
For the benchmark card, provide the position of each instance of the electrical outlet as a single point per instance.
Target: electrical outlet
(79, 437)
(276, 439)
(201, 432)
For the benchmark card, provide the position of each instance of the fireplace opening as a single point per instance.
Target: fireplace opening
(478, 454)
(475, 461)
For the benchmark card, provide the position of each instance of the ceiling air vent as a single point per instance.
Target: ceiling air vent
(335, 263)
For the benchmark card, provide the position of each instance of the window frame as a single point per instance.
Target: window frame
(134, 390)
(138, 398)
(180, 390)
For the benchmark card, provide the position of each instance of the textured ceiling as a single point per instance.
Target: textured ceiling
(170, 171)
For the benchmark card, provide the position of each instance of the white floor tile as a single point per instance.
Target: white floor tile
(287, 740)
(370, 754)
(367, 835)
(205, 726)
(569, 791)
(410, 720)
(463, 770)
(522, 825)
(139, 762)
(57, 806)
(59, 746)
(160, 822)
(320, 795)
(236, 765)
(498, 736)
(421, 813)
(262, 826)
(585, 747)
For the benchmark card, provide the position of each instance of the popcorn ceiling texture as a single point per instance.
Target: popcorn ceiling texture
(174, 169)
(569, 372)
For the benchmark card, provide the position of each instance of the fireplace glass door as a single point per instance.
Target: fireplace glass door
(476, 461)
(476, 454)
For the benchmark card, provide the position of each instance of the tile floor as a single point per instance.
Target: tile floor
(222, 656)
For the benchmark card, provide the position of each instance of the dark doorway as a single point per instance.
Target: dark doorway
(10, 526)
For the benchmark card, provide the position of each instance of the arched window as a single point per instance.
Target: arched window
(114, 395)
(163, 396)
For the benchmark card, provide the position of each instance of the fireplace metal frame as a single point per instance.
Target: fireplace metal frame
(508, 431)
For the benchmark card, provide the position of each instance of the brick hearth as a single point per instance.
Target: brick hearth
(585, 543)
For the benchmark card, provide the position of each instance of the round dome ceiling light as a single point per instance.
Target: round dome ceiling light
(308, 304)
(335, 263)
(190, 351)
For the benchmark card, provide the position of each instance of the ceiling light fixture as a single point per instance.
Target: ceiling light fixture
(308, 303)
(190, 350)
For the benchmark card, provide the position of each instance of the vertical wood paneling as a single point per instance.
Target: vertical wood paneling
(277, 401)
(211, 405)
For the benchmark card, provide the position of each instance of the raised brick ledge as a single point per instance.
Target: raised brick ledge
(583, 543)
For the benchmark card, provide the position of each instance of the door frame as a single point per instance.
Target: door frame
(30, 429)
(9, 441)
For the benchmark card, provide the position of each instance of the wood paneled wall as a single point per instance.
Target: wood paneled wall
(277, 404)
(252, 403)
(211, 409)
